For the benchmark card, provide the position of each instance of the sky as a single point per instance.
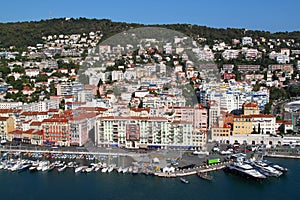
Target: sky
(267, 15)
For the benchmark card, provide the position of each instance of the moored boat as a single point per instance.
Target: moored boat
(104, 170)
(205, 175)
(276, 166)
(135, 170)
(110, 169)
(244, 170)
(125, 170)
(265, 169)
(61, 169)
(120, 169)
(32, 168)
(80, 169)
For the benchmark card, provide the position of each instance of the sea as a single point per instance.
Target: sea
(68, 185)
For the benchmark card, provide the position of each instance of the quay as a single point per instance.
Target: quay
(71, 152)
(194, 171)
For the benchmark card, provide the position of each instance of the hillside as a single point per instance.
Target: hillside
(22, 34)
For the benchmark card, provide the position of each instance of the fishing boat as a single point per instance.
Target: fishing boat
(205, 176)
(184, 181)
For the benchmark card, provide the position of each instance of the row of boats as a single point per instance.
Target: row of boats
(255, 169)
(20, 165)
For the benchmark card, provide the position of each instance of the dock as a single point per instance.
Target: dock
(194, 171)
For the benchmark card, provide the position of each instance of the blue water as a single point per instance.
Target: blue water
(67, 185)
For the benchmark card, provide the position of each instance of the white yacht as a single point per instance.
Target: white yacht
(265, 169)
(245, 170)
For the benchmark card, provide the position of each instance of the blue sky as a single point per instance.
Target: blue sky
(269, 15)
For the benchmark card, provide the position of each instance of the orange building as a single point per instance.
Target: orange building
(56, 131)
(7, 124)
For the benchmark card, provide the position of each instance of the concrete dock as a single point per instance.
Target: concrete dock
(193, 171)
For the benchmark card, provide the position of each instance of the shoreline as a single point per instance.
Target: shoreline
(282, 156)
(130, 157)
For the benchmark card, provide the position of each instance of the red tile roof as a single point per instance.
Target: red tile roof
(3, 118)
(63, 120)
(250, 105)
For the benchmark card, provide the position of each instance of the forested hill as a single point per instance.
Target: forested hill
(22, 34)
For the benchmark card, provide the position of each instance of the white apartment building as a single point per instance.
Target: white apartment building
(147, 132)
(9, 105)
(247, 41)
(264, 124)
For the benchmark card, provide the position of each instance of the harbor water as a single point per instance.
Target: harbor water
(68, 185)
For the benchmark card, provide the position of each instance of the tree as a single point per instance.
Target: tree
(4, 71)
(41, 78)
(277, 93)
(100, 82)
(18, 69)
(268, 107)
(256, 87)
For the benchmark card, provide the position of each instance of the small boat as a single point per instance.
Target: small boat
(110, 169)
(120, 169)
(135, 170)
(24, 167)
(205, 176)
(32, 169)
(125, 170)
(89, 169)
(130, 169)
(104, 170)
(79, 169)
(62, 168)
(97, 168)
(45, 168)
(184, 181)
(51, 167)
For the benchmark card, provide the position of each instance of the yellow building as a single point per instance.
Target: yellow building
(251, 108)
(220, 132)
(242, 124)
(7, 124)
